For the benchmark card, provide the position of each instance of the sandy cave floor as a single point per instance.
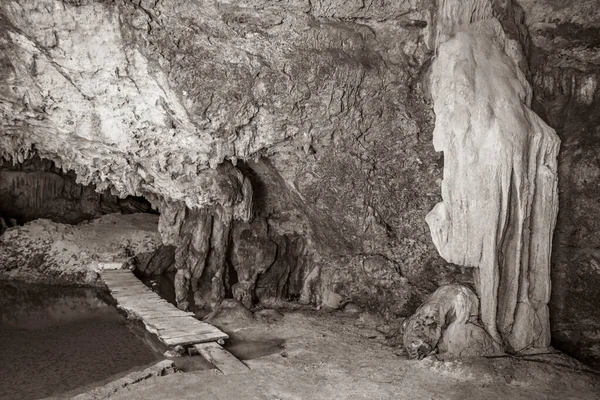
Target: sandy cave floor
(333, 356)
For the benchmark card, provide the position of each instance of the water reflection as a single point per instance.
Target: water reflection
(54, 339)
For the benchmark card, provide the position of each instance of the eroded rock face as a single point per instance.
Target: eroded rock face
(323, 102)
(321, 106)
(500, 177)
(48, 252)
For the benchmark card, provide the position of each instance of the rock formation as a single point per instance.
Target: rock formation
(201, 237)
(35, 189)
(323, 110)
(321, 106)
(500, 175)
(448, 321)
(48, 252)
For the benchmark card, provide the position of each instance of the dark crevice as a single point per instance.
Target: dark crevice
(37, 188)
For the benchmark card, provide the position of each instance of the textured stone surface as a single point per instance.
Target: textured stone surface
(565, 65)
(500, 179)
(322, 106)
(324, 102)
(45, 251)
(331, 95)
(448, 322)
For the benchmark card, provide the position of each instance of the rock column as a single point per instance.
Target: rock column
(201, 237)
(499, 190)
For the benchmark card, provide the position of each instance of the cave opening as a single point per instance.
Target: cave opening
(36, 188)
(68, 224)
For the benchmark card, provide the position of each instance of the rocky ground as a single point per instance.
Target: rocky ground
(340, 355)
(314, 354)
(48, 252)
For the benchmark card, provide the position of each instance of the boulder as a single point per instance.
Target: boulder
(448, 322)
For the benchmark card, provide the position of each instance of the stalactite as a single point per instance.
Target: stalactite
(202, 238)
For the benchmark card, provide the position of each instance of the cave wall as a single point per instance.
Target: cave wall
(324, 106)
(35, 188)
(325, 102)
(565, 66)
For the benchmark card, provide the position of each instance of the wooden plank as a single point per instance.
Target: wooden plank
(118, 286)
(221, 358)
(122, 291)
(177, 319)
(143, 299)
(192, 339)
(148, 296)
(173, 333)
(189, 322)
(183, 323)
(145, 305)
(171, 313)
(116, 274)
(171, 325)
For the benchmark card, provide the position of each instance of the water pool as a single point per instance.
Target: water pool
(55, 339)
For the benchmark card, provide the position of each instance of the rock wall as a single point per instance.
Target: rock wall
(323, 104)
(499, 191)
(35, 189)
(565, 65)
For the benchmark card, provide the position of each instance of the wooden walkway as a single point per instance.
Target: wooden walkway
(172, 326)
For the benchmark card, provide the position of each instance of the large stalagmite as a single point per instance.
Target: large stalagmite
(500, 178)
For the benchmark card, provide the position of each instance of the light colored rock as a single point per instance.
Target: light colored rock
(229, 312)
(45, 251)
(448, 322)
(500, 181)
(352, 308)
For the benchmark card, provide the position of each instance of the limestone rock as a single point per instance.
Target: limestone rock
(230, 312)
(252, 254)
(201, 237)
(155, 263)
(45, 251)
(448, 321)
(352, 308)
(500, 181)
(565, 55)
(321, 102)
(323, 106)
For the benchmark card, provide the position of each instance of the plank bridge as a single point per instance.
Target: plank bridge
(171, 325)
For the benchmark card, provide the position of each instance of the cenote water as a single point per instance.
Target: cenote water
(55, 339)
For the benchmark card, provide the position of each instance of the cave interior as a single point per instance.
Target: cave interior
(433, 168)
